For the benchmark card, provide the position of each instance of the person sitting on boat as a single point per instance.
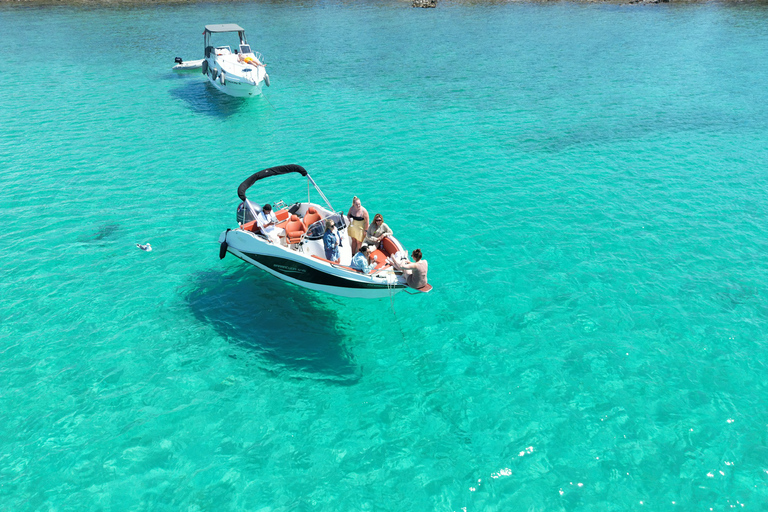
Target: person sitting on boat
(331, 241)
(415, 272)
(266, 221)
(249, 60)
(377, 231)
(358, 224)
(362, 260)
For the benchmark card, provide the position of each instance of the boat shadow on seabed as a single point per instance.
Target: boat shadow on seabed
(203, 98)
(287, 327)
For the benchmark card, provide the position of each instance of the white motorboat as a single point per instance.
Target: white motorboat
(299, 255)
(238, 73)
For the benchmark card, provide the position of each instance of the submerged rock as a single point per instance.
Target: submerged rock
(424, 3)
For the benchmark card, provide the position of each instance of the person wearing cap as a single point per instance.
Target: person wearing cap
(331, 241)
(266, 222)
(377, 231)
(362, 260)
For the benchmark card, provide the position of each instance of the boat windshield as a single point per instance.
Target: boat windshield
(245, 48)
(317, 229)
(338, 219)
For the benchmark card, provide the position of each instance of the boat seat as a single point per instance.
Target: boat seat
(311, 217)
(282, 215)
(251, 226)
(282, 218)
(381, 259)
(294, 230)
(388, 246)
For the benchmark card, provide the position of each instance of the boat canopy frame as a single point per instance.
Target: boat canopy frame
(277, 171)
(218, 29)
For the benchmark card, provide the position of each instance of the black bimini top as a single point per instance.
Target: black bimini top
(266, 173)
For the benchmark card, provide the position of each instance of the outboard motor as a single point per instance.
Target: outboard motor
(178, 60)
(246, 212)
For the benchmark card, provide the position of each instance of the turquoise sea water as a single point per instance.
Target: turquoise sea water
(587, 182)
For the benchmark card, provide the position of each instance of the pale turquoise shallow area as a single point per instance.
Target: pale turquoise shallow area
(588, 183)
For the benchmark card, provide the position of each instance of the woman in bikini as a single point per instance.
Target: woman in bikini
(358, 224)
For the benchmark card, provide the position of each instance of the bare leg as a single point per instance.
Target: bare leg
(398, 259)
(398, 264)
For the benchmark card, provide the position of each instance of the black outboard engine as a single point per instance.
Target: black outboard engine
(246, 212)
(178, 60)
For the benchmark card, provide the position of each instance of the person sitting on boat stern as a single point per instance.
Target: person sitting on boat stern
(266, 221)
(358, 224)
(377, 231)
(362, 260)
(415, 272)
(331, 241)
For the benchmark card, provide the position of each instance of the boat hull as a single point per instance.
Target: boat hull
(231, 77)
(308, 272)
(236, 89)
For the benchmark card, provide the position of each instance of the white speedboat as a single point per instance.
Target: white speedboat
(299, 256)
(238, 73)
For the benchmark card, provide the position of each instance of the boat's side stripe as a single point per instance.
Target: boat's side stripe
(302, 272)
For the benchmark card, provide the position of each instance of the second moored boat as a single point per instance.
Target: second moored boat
(240, 72)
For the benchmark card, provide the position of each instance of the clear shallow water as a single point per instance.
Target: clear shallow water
(587, 182)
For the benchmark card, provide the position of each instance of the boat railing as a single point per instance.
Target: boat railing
(354, 270)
